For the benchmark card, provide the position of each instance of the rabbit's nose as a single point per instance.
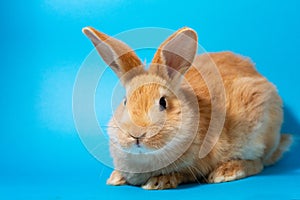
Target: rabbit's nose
(137, 136)
(138, 139)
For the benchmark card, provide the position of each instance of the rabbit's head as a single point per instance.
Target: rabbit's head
(155, 111)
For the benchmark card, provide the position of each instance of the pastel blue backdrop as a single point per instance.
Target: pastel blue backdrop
(42, 48)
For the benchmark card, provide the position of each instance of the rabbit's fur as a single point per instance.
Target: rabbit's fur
(160, 143)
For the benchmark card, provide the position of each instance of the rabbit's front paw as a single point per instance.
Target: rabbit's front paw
(116, 179)
(162, 182)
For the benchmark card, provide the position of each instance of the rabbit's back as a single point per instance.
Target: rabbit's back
(253, 107)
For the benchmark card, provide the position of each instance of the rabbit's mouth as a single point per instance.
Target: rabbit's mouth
(139, 148)
(138, 139)
(138, 143)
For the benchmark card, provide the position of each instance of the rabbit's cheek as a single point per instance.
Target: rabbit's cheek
(156, 142)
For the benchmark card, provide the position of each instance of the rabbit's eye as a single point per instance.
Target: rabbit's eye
(125, 101)
(162, 103)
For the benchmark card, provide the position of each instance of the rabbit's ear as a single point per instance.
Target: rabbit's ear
(175, 55)
(119, 56)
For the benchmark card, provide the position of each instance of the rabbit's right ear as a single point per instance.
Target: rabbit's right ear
(119, 56)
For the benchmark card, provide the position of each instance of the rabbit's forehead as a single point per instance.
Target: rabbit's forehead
(146, 91)
(145, 84)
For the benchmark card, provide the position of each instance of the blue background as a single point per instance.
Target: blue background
(42, 48)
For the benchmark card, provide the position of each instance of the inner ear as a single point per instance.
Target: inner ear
(176, 54)
(118, 55)
(180, 51)
(175, 64)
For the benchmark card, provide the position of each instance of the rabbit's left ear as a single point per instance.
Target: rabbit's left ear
(118, 55)
(175, 55)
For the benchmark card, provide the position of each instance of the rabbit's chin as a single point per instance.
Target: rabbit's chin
(138, 149)
(138, 159)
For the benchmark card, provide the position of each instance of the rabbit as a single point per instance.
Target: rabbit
(159, 133)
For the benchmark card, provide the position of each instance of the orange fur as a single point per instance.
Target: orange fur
(250, 137)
